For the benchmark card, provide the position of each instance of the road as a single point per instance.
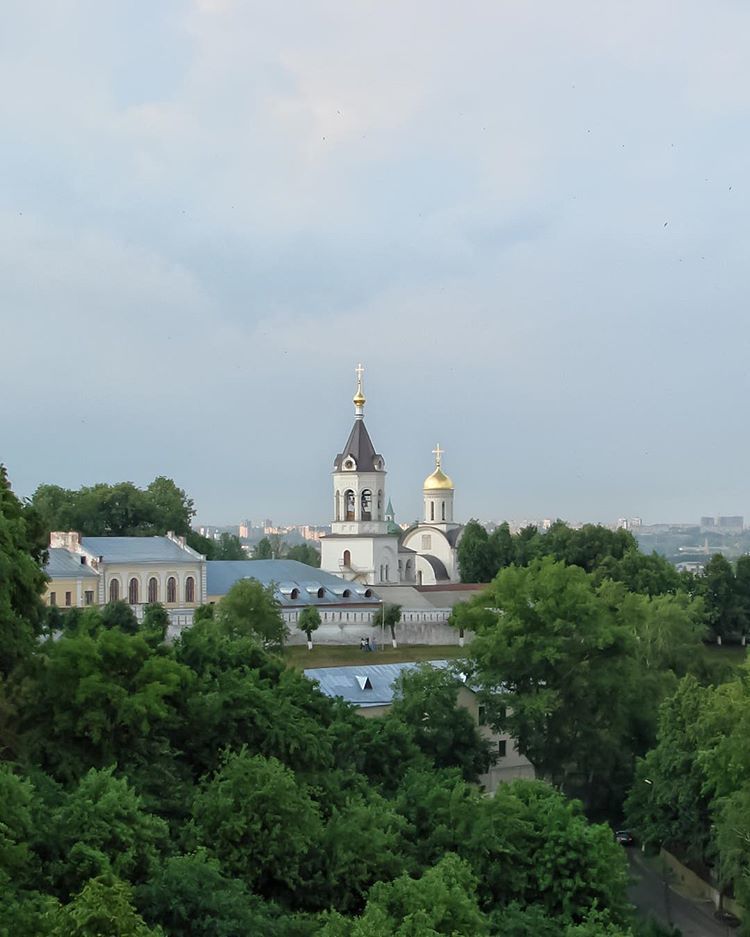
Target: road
(651, 897)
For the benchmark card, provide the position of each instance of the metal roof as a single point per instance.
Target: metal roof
(359, 446)
(63, 564)
(138, 550)
(287, 576)
(351, 683)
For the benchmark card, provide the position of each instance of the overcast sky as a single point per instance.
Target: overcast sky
(529, 220)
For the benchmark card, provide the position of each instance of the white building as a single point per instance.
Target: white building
(365, 543)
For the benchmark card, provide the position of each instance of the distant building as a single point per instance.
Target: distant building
(245, 530)
(733, 522)
(708, 522)
(371, 688)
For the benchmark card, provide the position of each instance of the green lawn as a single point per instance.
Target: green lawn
(340, 655)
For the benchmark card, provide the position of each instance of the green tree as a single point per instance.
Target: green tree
(263, 550)
(427, 702)
(389, 616)
(557, 650)
(304, 553)
(229, 547)
(502, 550)
(104, 908)
(250, 608)
(119, 615)
(101, 828)
(742, 593)
(171, 508)
(22, 551)
(309, 621)
(190, 894)
(723, 614)
(258, 821)
(475, 559)
(155, 624)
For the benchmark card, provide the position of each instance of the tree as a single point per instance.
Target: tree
(388, 617)
(258, 821)
(556, 650)
(304, 553)
(742, 593)
(155, 623)
(103, 908)
(309, 621)
(427, 701)
(171, 507)
(22, 551)
(263, 550)
(723, 614)
(229, 548)
(474, 554)
(119, 615)
(250, 608)
(100, 829)
(501, 547)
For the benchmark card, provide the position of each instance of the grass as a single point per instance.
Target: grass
(326, 655)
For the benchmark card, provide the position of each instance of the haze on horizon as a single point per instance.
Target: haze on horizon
(527, 219)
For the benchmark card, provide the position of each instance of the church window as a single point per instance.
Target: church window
(171, 589)
(386, 572)
(190, 589)
(338, 505)
(432, 510)
(426, 541)
(153, 589)
(133, 591)
(443, 505)
(347, 559)
(114, 590)
(366, 505)
(380, 504)
(349, 505)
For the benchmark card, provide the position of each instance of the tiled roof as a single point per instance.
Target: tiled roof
(63, 564)
(137, 550)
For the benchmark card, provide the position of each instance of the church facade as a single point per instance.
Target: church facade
(365, 543)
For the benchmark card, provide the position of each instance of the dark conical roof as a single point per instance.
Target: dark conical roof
(359, 446)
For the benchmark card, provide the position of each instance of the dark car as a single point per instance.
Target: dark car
(624, 837)
(727, 918)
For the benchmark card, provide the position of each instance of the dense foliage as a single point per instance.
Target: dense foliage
(203, 788)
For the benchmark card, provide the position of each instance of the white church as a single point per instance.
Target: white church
(365, 544)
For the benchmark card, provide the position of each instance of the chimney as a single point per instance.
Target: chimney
(66, 539)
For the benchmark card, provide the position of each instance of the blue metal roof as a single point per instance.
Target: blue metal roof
(366, 685)
(137, 550)
(63, 564)
(288, 577)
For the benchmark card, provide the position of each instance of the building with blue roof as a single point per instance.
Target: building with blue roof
(372, 687)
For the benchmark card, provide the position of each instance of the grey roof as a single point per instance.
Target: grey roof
(453, 534)
(138, 550)
(63, 564)
(359, 446)
(365, 685)
(438, 566)
(288, 576)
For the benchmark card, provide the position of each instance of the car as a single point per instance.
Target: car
(624, 837)
(726, 917)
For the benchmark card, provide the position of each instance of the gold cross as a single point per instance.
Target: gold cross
(437, 452)
(359, 370)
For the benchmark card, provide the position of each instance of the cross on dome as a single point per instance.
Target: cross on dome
(438, 452)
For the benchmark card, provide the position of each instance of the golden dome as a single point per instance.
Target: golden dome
(438, 481)
(359, 398)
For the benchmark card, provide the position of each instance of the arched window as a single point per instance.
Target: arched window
(432, 510)
(443, 503)
(321, 592)
(366, 505)
(349, 505)
(133, 591)
(153, 589)
(347, 559)
(114, 590)
(171, 589)
(346, 594)
(190, 589)
(294, 594)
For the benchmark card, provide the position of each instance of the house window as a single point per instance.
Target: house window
(190, 589)
(88, 597)
(502, 748)
(133, 591)
(153, 589)
(171, 590)
(53, 598)
(68, 599)
(482, 716)
(114, 590)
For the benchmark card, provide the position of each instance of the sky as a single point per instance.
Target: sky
(527, 219)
